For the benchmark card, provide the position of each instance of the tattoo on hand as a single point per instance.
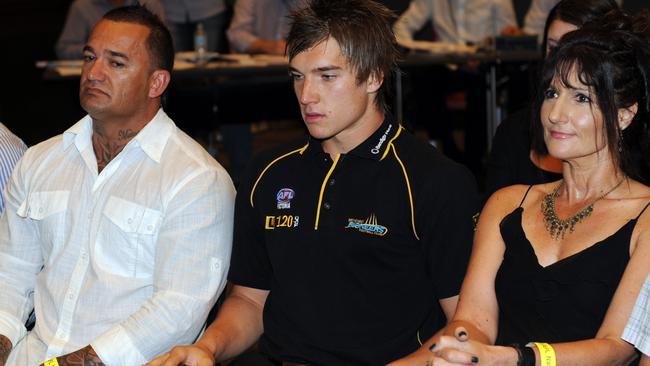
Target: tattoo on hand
(83, 357)
(5, 348)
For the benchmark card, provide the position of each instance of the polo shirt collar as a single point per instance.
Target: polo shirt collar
(372, 148)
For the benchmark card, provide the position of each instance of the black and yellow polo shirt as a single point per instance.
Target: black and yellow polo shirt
(355, 250)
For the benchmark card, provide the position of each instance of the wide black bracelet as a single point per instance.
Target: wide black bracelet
(525, 355)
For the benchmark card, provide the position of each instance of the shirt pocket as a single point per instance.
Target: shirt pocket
(48, 210)
(126, 241)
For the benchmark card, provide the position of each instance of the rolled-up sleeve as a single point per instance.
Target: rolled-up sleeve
(240, 33)
(417, 14)
(637, 331)
(20, 260)
(191, 262)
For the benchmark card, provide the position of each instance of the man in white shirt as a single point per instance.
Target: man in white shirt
(118, 232)
(456, 21)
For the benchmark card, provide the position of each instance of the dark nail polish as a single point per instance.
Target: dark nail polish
(462, 333)
(474, 359)
(432, 347)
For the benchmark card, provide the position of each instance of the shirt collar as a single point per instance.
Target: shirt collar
(151, 139)
(374, 147)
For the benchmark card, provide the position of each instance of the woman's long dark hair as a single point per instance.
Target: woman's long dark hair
(612, 57)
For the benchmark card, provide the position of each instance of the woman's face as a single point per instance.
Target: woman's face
(572, 121)
(556, 30)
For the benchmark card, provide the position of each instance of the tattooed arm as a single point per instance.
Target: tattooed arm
(83, 357)
(5, 348)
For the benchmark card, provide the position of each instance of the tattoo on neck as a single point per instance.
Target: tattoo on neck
(125, 134)
(107, 149)
(83, 357)
(5, 348)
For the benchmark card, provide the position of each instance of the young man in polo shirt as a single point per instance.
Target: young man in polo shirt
(350, 247)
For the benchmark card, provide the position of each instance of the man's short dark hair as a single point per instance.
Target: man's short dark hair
(159, 42)
(362, 29)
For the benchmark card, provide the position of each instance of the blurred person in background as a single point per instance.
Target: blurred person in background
(183, 16)
(456, 24)
(81, 18)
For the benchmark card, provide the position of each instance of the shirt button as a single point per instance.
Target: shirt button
(71, 296)
(326, 205)
(332, 181)
(149, 227)
(129, 221)
(40, 210)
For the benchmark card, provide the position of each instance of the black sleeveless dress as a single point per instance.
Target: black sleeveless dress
(562, 302)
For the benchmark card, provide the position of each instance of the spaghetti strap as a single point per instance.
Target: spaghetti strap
(528, 190)
(642, 211)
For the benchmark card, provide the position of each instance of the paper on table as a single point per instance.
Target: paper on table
(439, 47)
(272, 59)
(183, 65)
(68, 71)
(191, 56)
(62, 67)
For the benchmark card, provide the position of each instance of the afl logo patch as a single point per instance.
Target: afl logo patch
(284, 197)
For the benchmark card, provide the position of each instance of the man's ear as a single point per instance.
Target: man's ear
(374, 82)
(625, 115)
(158, 82)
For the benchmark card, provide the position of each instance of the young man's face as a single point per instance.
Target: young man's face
(115, 78)
(332, 102)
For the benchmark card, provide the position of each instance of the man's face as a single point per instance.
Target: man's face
(332, 102)
(115, 78)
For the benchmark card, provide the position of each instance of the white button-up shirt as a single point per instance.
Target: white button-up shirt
(129, 260)
(637, 331)
(11, 149)
(456, 21)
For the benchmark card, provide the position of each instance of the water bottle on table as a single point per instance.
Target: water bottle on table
(200, 45)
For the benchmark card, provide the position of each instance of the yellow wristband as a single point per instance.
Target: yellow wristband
(51, 362)
(546, 354)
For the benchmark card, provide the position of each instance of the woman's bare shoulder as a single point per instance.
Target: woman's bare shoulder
(509, 198)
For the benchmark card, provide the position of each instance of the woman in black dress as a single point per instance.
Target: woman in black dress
(561, 263)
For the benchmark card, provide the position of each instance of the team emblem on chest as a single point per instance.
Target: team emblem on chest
(284, 197)
(367, 226)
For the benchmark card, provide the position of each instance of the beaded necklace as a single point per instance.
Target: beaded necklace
(558, 227)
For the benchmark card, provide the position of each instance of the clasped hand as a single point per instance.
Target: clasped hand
(461, 350)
